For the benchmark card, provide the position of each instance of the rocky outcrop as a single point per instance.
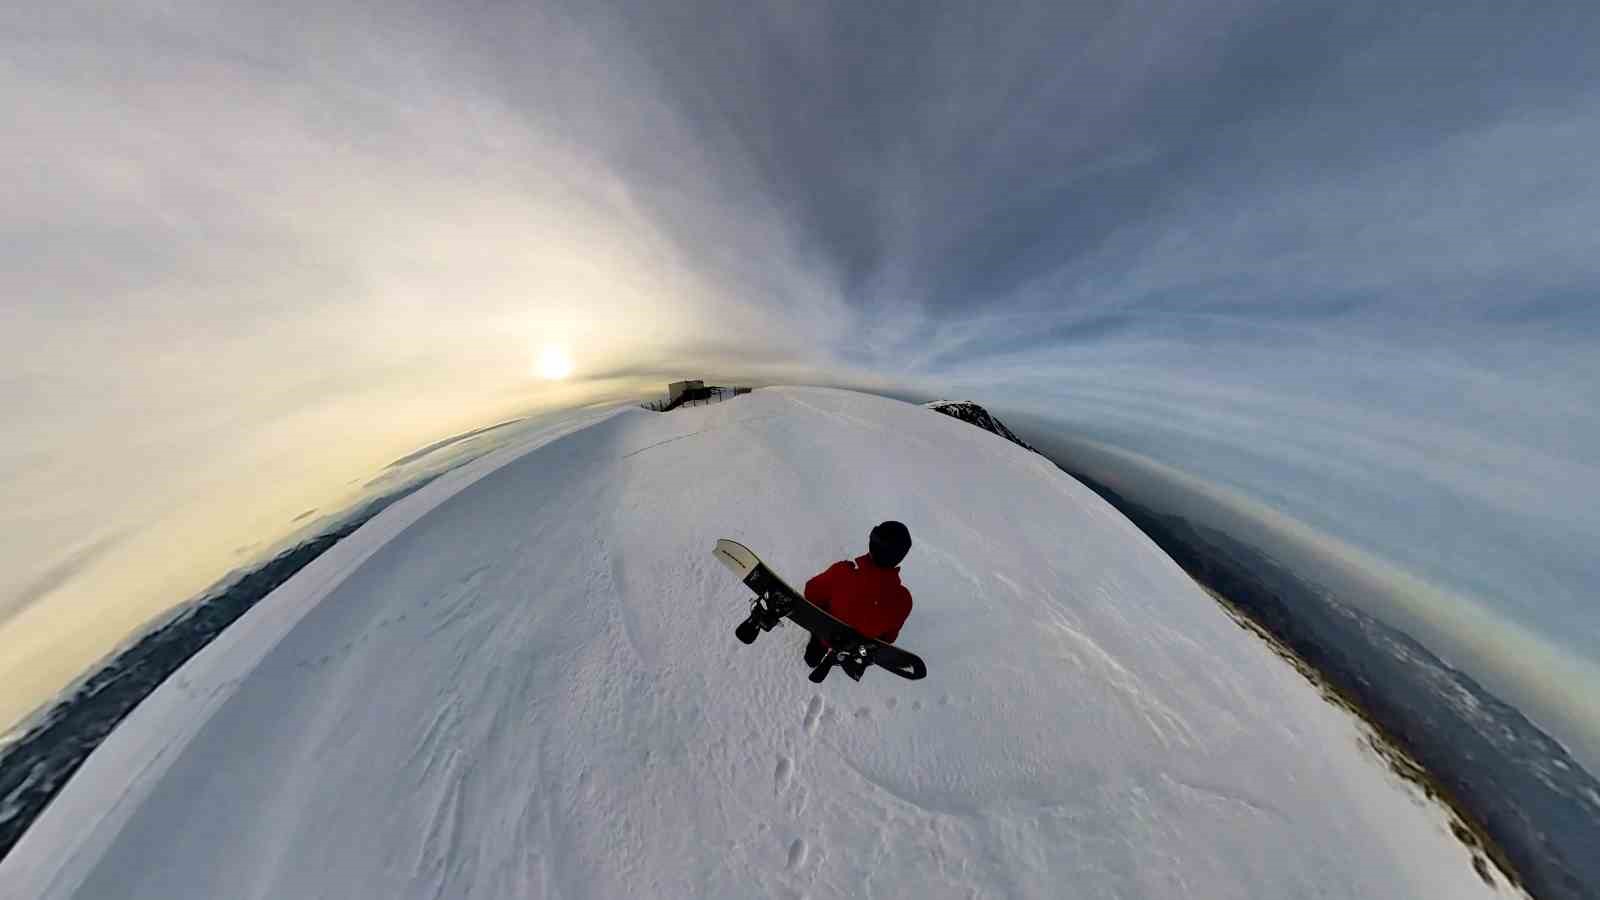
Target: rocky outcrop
(972, 413)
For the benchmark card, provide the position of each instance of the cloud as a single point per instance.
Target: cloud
(1546, 681)
(56, 574)
(1480, 480)
(1339, 256)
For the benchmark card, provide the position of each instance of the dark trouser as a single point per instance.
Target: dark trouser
(815, 651)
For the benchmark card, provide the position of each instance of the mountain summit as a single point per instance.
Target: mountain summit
(523, 681)
(972, 413)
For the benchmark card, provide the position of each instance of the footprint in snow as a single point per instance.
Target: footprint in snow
(797, 853)
(784, 772)
(813, 715)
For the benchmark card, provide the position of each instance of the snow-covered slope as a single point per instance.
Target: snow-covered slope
(527, 685)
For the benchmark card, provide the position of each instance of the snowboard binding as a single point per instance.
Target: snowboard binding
(853, 660)
(766, 613)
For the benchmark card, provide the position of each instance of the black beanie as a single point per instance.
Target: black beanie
(889, 543)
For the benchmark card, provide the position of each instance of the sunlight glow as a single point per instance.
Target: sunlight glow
(555, 363)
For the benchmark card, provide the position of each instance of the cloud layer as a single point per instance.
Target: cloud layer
(1339, 257)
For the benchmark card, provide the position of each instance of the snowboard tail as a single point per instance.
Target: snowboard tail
(776, 600)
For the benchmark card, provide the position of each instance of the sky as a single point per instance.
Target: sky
(1342, 259)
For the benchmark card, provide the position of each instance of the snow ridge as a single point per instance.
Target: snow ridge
(527, 685)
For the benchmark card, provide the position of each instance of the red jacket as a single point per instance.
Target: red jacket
(863, 595)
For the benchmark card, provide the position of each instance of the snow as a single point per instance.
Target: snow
(523, 681)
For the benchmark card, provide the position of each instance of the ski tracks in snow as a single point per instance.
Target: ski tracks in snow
(607, 584)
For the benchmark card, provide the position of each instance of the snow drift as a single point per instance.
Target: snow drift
(523, 681)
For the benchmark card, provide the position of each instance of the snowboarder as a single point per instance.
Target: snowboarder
(865, 593)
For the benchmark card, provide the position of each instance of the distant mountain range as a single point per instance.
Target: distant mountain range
(1537, 807)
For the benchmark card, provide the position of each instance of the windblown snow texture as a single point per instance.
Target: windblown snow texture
(523, 681)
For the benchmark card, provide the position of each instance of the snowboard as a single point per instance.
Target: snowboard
(776, 600)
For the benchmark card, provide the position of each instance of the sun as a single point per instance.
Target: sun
(554, 363)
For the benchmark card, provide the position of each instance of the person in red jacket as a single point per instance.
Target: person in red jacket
(865, 593)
